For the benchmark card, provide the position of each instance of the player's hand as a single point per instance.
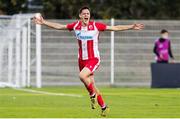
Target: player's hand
(161, 56)
(138, 26)
(38, 19)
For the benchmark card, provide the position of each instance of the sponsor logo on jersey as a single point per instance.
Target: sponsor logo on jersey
(81, 37)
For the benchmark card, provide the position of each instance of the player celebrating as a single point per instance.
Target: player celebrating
(87, 34)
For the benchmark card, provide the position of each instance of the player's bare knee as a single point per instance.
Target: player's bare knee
(82, 76)
(97, 92)
(92, 80)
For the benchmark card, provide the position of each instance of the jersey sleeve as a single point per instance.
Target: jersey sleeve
(70, 26)
(100, 26)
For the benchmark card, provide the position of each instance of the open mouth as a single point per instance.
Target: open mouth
(86, 19)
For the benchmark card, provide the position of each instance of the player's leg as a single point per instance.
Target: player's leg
(93, 98)
(100, 100)
(84, 76)
(87, 77)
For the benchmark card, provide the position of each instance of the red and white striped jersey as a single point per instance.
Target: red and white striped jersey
(87, 38)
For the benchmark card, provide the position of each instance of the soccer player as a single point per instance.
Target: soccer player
(87, 35)
(162, 48)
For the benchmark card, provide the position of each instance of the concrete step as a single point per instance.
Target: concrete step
(119, 63)
(117, 56)
(107, 39)
(64, 69)
(59, 80)
(127, 45)
(143, 33)
(103, 52)
(64, 33)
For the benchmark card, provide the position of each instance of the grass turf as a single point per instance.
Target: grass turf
(123, 102)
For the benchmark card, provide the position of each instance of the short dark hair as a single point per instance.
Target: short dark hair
(163, 31)
(82, 8)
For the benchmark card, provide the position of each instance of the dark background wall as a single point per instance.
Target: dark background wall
(101, 9)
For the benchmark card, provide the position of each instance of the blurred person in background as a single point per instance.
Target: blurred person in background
(162, 48)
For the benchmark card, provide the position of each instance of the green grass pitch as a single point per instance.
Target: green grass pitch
(123, 102)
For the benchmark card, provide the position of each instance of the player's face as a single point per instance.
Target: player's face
(165, 35)
(85, 16)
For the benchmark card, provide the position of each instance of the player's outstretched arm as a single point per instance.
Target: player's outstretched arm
(38, 19)
(125, 27)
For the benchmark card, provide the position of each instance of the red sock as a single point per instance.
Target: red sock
(100, 101)
(90, 89)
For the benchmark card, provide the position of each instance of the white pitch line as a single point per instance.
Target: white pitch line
(48, 93)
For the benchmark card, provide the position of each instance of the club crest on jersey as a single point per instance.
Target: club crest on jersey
(90, 27)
